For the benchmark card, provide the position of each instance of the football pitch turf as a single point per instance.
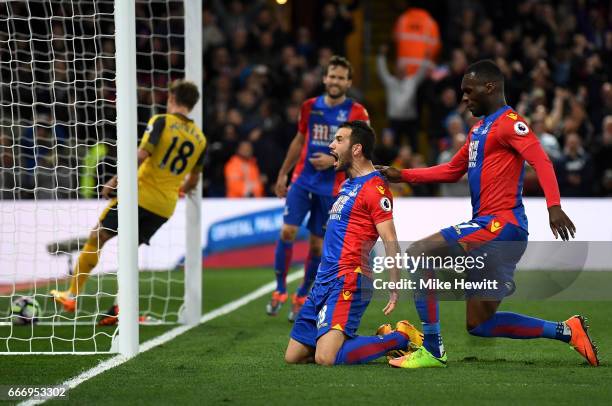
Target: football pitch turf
(238, 359)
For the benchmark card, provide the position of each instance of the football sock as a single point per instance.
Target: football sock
(88, 259)
(432, 339)
(282, 261)
(310, 272)
(427, 307)
(519, 326)
(362, 349)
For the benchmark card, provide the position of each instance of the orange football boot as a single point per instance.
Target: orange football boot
(111, 317)
(296, 305)
(65, 299)
(581, 341)
(403, 326)
(275, 303)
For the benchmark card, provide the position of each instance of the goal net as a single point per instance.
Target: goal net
(58, 146)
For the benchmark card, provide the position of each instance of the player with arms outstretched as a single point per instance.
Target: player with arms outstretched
(325, 329)
(170, 160)
(314, 183)
(493, 157)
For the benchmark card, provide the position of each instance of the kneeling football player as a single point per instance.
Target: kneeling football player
(325, 329)
(494, 158)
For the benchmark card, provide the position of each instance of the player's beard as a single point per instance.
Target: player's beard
(344, 163)
(341, 92)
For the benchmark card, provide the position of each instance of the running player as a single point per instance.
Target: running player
(171, 147)
(314, 183)
(325, 329)
(493, 157)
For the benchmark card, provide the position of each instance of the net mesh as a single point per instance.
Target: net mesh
(57, 148)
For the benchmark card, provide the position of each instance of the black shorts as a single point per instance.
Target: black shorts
(148, 222)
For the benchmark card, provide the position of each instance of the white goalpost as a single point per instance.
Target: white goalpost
(127, 193)
(192, 304)
(79, 80)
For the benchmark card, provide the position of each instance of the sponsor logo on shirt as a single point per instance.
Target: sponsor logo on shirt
(335, 212)
(322, 134)
(473, 153)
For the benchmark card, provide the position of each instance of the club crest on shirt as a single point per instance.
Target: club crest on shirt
(342, 116)
(486, 128)
(321, 317)
(521, 128)
(355, 190)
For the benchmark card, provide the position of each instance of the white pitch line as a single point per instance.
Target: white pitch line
(167, 336)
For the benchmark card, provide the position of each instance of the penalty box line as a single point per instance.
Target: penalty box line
(167, 336)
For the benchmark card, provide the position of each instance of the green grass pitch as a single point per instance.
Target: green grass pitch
(238, 359)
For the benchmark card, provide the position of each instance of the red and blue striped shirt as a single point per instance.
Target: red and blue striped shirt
(362, 203)
(319, 123)
(493, 157)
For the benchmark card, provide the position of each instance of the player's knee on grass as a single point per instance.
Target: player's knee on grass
(288, 232)
(326, 358)
(328, 346)
(470, 326)
(478, 312)
(298, 353)
(293, 358)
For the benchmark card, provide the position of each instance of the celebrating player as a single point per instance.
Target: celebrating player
(325, 329)
(493, 157)
(171, 147)
(314, 183)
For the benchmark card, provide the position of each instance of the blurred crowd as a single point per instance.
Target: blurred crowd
(57, 132)
(257, 74)
(555, 57)
(57, 95)
(57, 91)
(557, 61)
